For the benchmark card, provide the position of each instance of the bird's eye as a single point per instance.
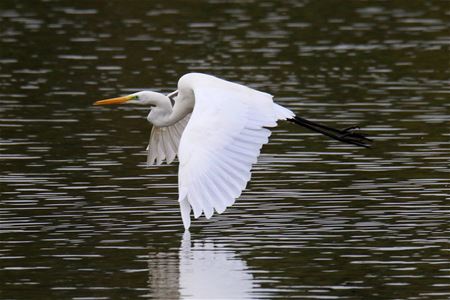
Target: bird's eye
(135, 97)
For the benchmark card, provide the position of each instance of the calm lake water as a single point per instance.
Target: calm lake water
(82, 217)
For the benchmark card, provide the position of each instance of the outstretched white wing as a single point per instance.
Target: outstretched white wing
(164, 142)
(220, 143)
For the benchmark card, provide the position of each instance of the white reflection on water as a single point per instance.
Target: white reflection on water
(201, 270)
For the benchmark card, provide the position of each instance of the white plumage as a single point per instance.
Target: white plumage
(217, 129)
(164, 142)
(221, 142)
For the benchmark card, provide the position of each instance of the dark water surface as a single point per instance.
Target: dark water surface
(82, 217)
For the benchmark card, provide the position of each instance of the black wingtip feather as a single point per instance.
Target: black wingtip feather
(348, 135)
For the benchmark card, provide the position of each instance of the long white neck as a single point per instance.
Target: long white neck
(163, 114)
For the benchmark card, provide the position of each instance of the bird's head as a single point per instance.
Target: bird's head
(142, 98)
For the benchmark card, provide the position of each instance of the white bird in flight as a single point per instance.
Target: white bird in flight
(217, 129)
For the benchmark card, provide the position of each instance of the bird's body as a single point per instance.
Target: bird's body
(217, 129)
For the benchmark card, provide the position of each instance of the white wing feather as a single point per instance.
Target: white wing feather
(220, 143)
(164, 142)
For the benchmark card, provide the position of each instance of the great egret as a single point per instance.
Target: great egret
(217, 128)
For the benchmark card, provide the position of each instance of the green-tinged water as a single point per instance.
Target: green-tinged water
(82, 217)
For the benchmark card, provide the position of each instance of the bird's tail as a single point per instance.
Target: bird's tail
(349, 135)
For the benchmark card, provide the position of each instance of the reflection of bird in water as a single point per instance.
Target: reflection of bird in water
(217, 128)
(201, 270)
(164, 275)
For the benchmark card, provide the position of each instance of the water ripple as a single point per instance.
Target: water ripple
(81, 216)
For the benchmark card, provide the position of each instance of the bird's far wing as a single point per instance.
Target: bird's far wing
(164, 142)
(219, 145)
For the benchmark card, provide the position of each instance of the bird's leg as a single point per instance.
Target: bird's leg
(351, 128)
(348, 135)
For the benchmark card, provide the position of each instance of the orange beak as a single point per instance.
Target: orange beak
(117, 100)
